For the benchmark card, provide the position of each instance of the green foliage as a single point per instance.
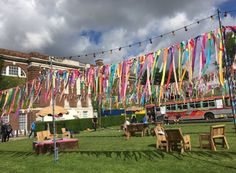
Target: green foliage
(107, 150)
(10, 82)
(230, 45)
(158, 76)
(74, 125)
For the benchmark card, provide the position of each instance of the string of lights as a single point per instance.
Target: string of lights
(148, 40)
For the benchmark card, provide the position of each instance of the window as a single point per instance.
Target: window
(22, 122)
(13, 70)
(205, 104)
(180, 106)
(173, 107)
(227, 102)
(212, 103)
(192, 105)
(185, 106)
(168, 107)
(85, 114)
(158, 109)
(5, 119)
(198, 104)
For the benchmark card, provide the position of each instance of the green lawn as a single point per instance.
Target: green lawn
(107, 151)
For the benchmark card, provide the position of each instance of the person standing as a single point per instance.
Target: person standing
(8, 131)
(94, 122)
(126, 123)
(133, 119)
(33, 128)
(4, 132)
(145, 119)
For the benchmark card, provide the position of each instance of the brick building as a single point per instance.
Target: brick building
(28, 66)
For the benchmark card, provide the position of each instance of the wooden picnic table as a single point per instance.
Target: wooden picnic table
(46, 146)
(136, 127)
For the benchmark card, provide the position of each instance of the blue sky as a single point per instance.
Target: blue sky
(227, 6)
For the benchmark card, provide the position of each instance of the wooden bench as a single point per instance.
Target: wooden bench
(137, 127)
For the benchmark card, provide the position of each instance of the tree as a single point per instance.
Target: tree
(158, 77)
(230, 45)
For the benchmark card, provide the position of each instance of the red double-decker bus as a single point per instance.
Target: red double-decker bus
(199, 108)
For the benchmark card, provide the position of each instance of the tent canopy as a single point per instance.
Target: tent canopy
(48, 111)
(134, 108)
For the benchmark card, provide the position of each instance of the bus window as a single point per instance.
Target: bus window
(185, 106)
(198, 104)
(173, 107)
(192, 105)
(205, 104)
(158, 109)
(227, 102)
(212, 103)
(168, 107)
(180, 106)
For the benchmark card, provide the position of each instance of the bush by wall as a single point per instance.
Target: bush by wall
(77, 125)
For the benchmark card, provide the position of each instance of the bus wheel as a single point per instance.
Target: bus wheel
(209, 116)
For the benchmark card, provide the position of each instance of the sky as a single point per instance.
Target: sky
(77, 27)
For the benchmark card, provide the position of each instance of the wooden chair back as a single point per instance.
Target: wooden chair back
(63, 130)
(174, 135)
(160, 124)
(46, 134)
(217, 131)
(65, 134)
(40, 136)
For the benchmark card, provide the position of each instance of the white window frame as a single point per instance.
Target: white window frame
(85, 114)
(20, 72)
(22, 122)
(14, 70)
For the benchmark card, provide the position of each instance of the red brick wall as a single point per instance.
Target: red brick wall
(14, 121)
(30, 118)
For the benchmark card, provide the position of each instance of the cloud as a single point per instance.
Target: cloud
(37, 40)
(54, 27)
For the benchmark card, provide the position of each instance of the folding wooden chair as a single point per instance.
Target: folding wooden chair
(40, 136)
(176, 139)
(216, 132)
(161, 142)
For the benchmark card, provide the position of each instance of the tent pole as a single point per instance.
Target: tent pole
(53, 116)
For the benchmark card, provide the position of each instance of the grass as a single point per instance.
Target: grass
(107, 151)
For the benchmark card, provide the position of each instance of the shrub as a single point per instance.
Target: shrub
(77, 125)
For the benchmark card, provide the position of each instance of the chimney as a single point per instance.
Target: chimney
(99, 62)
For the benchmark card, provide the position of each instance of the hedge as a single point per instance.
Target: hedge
(77, 125)
(10, 82)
